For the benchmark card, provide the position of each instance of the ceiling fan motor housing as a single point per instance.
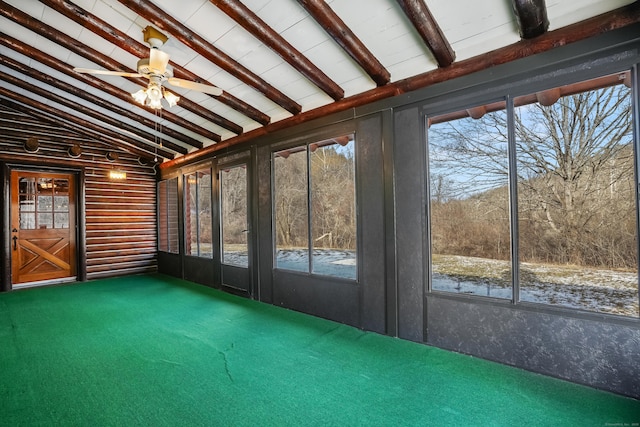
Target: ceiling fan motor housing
(145, 69)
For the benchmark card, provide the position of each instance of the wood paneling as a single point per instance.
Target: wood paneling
(120, 217)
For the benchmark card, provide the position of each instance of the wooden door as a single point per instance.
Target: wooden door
(43, 226)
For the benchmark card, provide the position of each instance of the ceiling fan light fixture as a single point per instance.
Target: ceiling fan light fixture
(152, 96)
(154, 103)
(140, 96)
(172, 99)
(154, 92)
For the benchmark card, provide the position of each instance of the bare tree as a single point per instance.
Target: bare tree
(575, 173)
(291, 199)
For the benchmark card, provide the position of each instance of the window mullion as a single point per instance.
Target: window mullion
(513, 200)
(309, 228)
(635, 117)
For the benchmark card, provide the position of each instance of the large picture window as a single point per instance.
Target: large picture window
(469, 202)
(315, 208)
(574, 181)
(168, 216)
(576, 196)
(197, 207)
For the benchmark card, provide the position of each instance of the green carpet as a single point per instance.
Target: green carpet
(153, 350)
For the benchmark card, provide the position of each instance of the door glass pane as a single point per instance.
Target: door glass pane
(45, 220)
(61, 220)
(198, 237)
(204, 214)
(27, 220)
(577, 196)
(191, 213)
(61, 203)
(333, 204)
(469, 202)
(291, 209)
(233, 194)
(27, 201)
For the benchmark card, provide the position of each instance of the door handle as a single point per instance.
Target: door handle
(15, 244)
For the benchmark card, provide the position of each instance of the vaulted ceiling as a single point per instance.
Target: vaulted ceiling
(278, 62)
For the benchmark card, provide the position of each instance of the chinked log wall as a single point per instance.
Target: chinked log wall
(120, 216)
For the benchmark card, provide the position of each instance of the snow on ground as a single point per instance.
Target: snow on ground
(604, 291)
(328, 262)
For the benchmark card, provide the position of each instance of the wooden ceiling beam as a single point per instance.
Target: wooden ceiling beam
(422, 19)
(136, 48)
(54, 63)
(93, 55)
(619, 18)
(267, 35)
(73, 90)
(531, 16)
(15, 130)
(342, 34)
(68, 121)
(83, 109)
(198, 44)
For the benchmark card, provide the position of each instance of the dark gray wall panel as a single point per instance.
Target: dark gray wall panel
(170, 264)
(264, 255)
(320, 296)
(200, 270)
(236, 277)
(372, 232)
(409, 188)
(594, 352)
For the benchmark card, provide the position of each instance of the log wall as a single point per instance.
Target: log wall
(120, 217)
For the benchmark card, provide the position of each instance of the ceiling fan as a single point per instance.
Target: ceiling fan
(156, 68)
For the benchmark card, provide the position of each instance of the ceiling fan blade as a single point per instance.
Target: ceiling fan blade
(106, 72)
(158, 60)
(188, 84)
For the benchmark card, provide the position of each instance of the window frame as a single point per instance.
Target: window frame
(242, 163)
(444, 103)
(186, 206)
(306, 141)
(168, 218)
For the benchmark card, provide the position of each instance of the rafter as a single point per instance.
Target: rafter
(88, 111)
(93, 55)
(531, 16)
(343, 35)
(197, 43)
(50, 61)
(136, 48)
(600, 24)
(422, 19)
(69, 88)
(68, 121)
(259, 29)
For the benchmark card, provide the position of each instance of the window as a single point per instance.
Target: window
(576, 196)
(44, 203)
(168, 216)
(315, 208)
(573, 179)
(469, 202)
(233, 202)
(197, 208)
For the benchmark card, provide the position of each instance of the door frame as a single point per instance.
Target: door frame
(5, 228)
(238, 273)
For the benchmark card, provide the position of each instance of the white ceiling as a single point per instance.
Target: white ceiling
(472, 27)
